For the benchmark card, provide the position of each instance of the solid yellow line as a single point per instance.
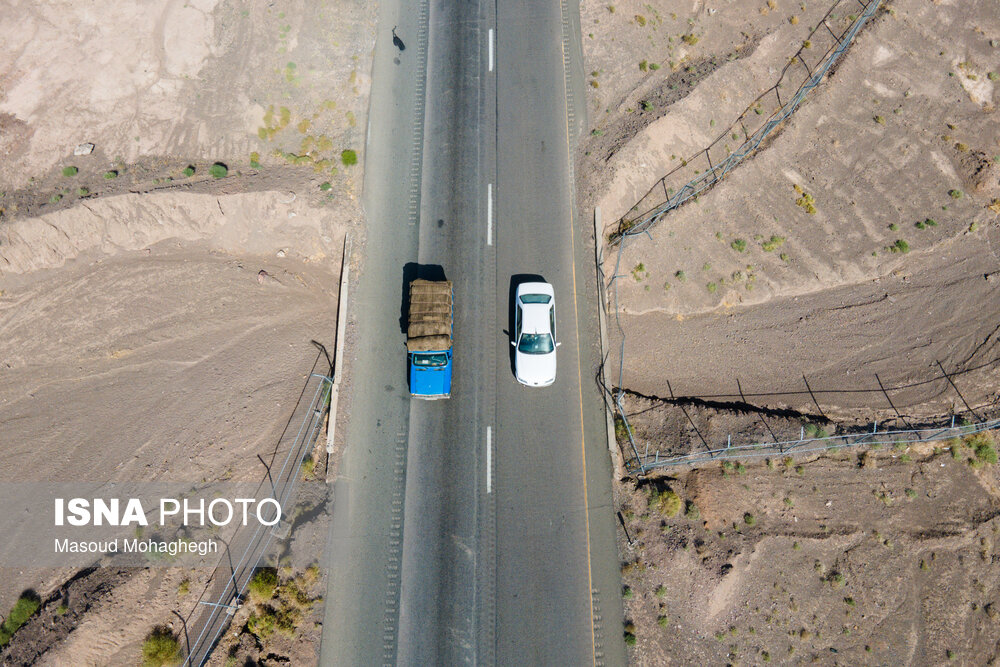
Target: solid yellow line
(579, 380)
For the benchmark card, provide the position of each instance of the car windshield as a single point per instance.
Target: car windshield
(536, 344)
(430, 359)
(535, 298)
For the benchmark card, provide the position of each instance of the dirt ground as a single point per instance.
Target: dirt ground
(887, 558)
(855, 252)
(899, 144)
(156, 320)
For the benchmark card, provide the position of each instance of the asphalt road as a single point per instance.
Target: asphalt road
(476, 530)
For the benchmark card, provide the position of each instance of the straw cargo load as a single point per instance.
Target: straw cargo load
(429, 326)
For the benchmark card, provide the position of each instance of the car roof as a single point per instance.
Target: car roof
(535, 318)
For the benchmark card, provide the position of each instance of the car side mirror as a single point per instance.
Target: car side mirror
(558, 344)
(512, 343)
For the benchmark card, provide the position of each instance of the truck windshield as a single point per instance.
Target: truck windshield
(536, 344)
(430, 360)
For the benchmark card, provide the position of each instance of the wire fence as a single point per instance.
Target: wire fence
(253, 547)
(872, 439)
(717, 160)
(819, 52)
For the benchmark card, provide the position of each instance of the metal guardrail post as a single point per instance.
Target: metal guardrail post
(338, 356)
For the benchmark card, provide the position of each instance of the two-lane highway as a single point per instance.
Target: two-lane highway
(476, 530)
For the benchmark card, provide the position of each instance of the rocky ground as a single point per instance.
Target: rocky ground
(844, 274)
(176, 181)
(880, 557)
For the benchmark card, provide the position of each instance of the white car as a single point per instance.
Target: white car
(535, 335)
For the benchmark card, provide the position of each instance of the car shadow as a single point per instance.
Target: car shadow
(516, 280)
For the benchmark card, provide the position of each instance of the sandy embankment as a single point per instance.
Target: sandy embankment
(746, 284)
(139, 341)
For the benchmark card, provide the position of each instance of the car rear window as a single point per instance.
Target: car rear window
(535, 298)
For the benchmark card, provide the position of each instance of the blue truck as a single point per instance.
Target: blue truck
(429, 338)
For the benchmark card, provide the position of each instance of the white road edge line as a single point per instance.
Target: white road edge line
(491, 49)
(489, 214)
(489, 460)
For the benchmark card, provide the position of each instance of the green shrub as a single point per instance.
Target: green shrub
(262, 625)
(983, 447)
(621, 430)
(749, 519)
(629, 639)
(161, 648)
(836, 579)
(308, 466)
(23, 609)
(665, 502)
(108, 175)
(218, 170)
(691, 512)
(263, 584)
(83, 192)
(711, 287)
(773, 244)
(739, 245)
(900, 246)
(954, 194)
(325, 186)
(661, 621)
(348, 157)
(188, 171)
(70, 171)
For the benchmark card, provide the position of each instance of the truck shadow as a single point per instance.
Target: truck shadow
(516, 280)
(412, 271)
